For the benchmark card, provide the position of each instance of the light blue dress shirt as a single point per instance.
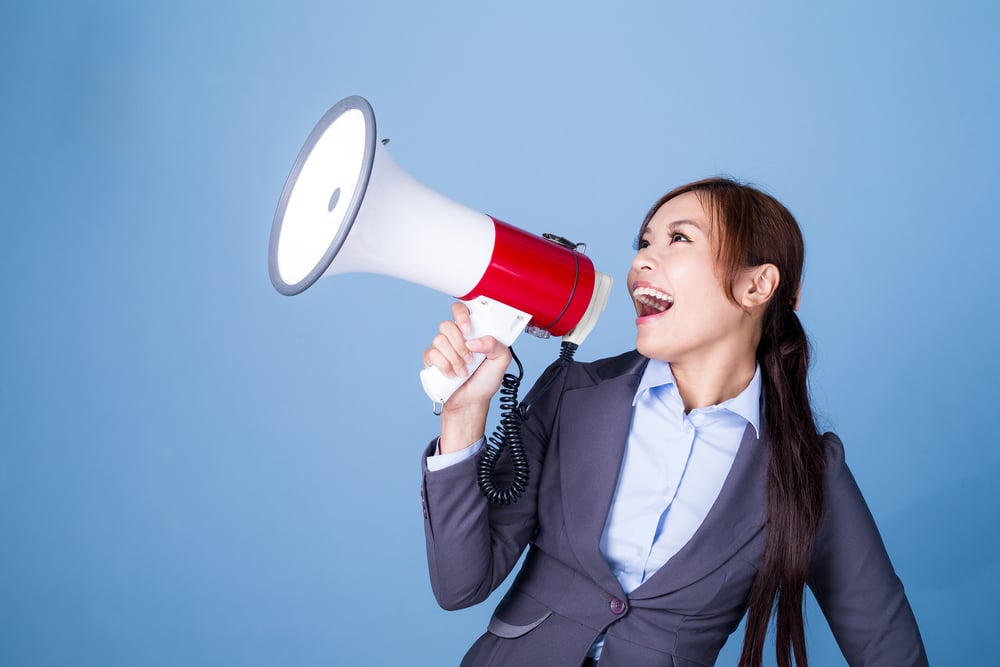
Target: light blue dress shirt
(674, 466)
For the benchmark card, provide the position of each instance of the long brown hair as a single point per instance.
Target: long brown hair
(753, 228)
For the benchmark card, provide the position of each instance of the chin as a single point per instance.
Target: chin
(649, 349)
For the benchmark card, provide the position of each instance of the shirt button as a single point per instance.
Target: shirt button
(617, 606)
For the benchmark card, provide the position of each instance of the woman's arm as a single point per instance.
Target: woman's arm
(853, 579)
(472, 545)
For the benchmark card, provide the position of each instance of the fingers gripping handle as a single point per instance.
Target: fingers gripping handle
(489, 318)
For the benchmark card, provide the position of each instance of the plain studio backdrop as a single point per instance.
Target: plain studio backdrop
(195, 470)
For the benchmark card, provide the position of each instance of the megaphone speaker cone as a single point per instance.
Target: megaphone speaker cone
(322, 195)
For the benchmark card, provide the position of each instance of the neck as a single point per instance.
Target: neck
(712, 382)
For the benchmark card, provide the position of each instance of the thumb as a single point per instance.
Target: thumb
(489, 346)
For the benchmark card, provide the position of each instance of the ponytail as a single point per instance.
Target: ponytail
(794, 491)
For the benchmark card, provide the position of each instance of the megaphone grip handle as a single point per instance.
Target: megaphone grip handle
(489, 318)
(439, 387)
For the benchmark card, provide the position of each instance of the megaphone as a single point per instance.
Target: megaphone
(348, 207)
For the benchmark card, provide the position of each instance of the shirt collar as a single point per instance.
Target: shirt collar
(746, 404)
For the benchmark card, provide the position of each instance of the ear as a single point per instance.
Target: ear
(760, 285)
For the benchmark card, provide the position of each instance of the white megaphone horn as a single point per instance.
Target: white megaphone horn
(348, 207)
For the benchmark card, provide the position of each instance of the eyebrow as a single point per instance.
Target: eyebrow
(674, 225)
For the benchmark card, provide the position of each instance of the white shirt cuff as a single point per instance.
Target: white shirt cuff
(441, 461)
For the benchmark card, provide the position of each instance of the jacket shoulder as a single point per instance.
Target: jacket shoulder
(562, 376)
(627, 363)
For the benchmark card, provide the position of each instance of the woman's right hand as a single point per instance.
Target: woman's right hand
(463, 418)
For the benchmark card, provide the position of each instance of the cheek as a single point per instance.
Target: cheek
(710, 294)
(630, 278)
(705, 282)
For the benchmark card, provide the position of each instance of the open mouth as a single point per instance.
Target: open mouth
(651, 301)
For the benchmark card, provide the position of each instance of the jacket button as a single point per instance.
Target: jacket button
(617, 606)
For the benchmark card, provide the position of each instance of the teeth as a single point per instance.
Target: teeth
(646, 301)
(654, 298)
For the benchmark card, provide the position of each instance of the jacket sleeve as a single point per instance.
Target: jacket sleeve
(853, 579)
(472, 545)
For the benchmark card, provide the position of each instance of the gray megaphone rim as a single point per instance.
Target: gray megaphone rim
(348, 103)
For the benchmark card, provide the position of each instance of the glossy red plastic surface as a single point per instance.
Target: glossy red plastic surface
(551, 282)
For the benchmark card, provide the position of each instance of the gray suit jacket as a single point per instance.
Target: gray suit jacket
(565, 594)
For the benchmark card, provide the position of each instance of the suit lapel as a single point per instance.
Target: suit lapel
(737, 515)
(593, 432)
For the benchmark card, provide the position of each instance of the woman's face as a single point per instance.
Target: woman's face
(684, 311)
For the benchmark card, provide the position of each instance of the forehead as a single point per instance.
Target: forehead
(685, 209)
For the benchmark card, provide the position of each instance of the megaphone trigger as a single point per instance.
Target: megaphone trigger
(489, 318)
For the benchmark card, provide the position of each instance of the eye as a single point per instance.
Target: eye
(677, 236)
(639, 243)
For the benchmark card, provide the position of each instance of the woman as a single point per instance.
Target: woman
(673, 488)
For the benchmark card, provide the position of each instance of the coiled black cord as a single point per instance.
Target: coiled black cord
(566, 352)
(508, 435)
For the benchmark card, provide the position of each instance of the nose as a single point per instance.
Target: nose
(643, 260)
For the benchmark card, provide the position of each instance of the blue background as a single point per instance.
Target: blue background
(196, 470)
